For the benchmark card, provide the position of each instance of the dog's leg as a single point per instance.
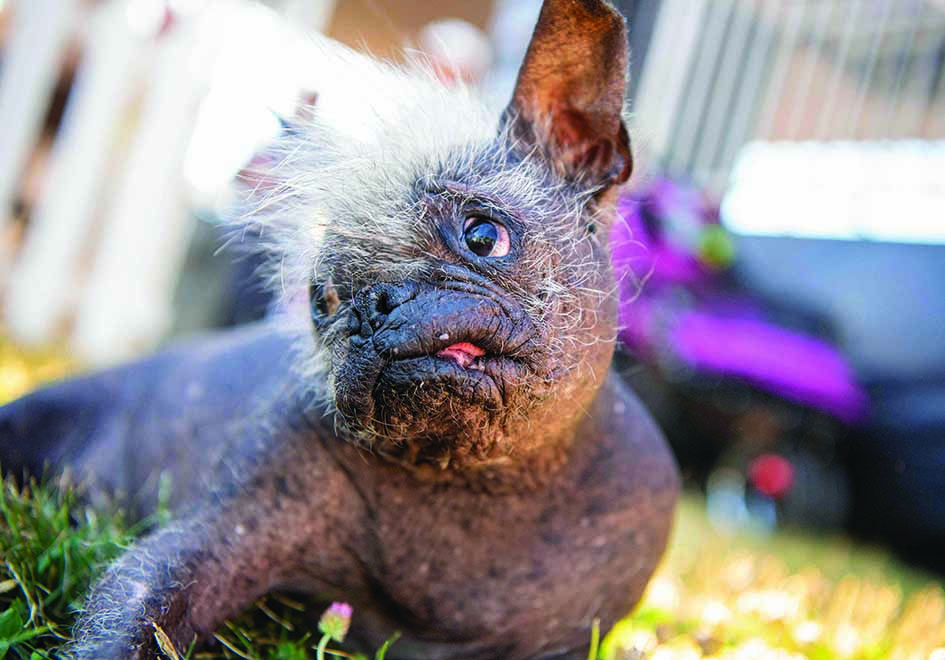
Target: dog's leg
(276, 529)
(184, 580)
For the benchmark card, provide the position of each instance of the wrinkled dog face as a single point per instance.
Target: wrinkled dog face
(461, 289)
(479, 315)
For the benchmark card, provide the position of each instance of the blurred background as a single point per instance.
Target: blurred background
(781, 255)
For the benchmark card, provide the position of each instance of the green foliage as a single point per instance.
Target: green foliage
(382, 652)
(50, 550)
(52, 547)
(716, 596)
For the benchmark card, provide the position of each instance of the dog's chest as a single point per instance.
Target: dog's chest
(472, 565)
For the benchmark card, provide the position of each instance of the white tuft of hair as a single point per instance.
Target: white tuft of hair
(349, 163)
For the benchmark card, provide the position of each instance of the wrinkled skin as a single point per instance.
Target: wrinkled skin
(476, 478)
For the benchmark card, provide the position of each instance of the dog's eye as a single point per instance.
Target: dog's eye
(486, 238)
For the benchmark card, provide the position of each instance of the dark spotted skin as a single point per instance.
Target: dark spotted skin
(270, 501)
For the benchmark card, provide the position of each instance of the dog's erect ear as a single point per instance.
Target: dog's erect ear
(568, 100)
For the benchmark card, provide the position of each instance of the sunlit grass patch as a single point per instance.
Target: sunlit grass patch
(21, 370)
(784, 596)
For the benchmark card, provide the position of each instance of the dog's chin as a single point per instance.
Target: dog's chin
(433, 380)
(448, 408)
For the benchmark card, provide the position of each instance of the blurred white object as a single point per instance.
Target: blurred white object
(171, 99)
(878, 191)
(126, 305)
(43, 285)
(457, 48)
(39, 32)
(309, 14)
(510, 29)
(203, 69)
(247, 90)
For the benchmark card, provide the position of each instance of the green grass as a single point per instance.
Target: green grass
(52, 547)
(785, 596)
(716, 596)
(48, 561)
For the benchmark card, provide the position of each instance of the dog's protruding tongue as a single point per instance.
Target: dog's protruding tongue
(463, 353)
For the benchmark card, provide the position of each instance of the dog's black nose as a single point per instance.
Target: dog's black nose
(374, 303)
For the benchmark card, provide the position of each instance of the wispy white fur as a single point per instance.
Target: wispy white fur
(345, 179)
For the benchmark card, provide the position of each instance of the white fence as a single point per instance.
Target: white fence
(721, 73)
(169, 99)
(160, 115)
